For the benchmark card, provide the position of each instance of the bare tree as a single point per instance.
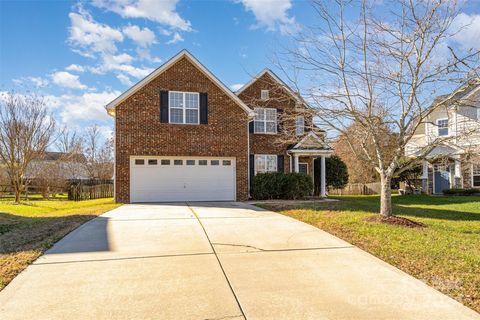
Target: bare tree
(25, 132)
(48, 175)
(70, 145)
(360, 168)
(279, 94)
(105, 160)
(380, 69)
(69, 142)
(98, 155)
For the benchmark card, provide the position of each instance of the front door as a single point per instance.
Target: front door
(441, 179)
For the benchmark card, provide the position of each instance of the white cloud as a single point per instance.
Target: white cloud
(68, 80)
(118, 59)
(26, 82)
(38, 81)
(120, 63)
(176, 38)
(165, 32)
(75, 67)
(467, 31)
(143, 37)
(90, 36)
(236, 86)
(272, 14)
(144, 54)
(76, 109)
(17, 82)
(124, 79)
(163, 12)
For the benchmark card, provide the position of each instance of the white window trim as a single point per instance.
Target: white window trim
(473, 175)
(302, 127)
(438, 127)
(305, 163)
(265, 156)
(184, 108)
(267, 93)
(265, 121)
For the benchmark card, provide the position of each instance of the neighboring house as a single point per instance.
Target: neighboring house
(182, 135)
(57, 165)
(455, 162)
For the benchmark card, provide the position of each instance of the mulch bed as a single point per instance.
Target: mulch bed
(398, 221)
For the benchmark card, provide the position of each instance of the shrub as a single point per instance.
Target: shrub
(278, 185)
(267, 185)
(297, 186)
(461, 192)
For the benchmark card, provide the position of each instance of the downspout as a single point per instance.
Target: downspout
(290, 162)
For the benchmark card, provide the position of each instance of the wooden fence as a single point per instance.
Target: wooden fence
(357, 189)
(82, 192)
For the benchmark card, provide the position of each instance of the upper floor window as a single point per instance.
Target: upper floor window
(442, 125)
(264, 95)
(265, 120)
(300, 125)
(476, 175)
(265, 163)
(183, 107)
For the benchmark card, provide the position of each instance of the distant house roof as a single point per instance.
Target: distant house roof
(54, 155)
(464, 92)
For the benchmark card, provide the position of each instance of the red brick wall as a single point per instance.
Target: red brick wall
(280, 99)
(139, 131)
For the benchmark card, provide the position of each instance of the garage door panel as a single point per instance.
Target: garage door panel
(164, 183)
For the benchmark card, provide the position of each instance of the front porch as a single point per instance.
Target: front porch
(303, 156)
(441, 174)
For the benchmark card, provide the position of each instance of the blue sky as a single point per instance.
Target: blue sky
(81, 55)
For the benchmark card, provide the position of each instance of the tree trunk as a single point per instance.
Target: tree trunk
(17, 195)
(385, 196)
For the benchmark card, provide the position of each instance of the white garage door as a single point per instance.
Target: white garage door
(164, 179)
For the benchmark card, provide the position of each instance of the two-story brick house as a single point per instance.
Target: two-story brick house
(182, 135)
(454, 132)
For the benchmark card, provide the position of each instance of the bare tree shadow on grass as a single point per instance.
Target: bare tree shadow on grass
(411, 206)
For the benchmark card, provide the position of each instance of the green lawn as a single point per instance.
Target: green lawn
(445, 254)
(28, 229)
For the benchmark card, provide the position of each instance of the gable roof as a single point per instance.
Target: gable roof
(182, 54)
(276, 78)
(311, 141)
(460, 94)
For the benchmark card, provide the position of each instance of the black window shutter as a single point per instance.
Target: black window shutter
(204, 108)
(279, 120)
(280, 165)
(308, 125)
(164, 106)
(250, 126)
(252, 168)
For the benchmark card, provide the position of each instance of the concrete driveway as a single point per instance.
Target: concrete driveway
(214, 261)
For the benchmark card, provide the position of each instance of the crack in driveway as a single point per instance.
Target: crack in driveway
(279, 250)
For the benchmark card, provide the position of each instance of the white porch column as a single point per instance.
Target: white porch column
(458, 174)
(295, 157)
(425, 176)
(322, 177)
